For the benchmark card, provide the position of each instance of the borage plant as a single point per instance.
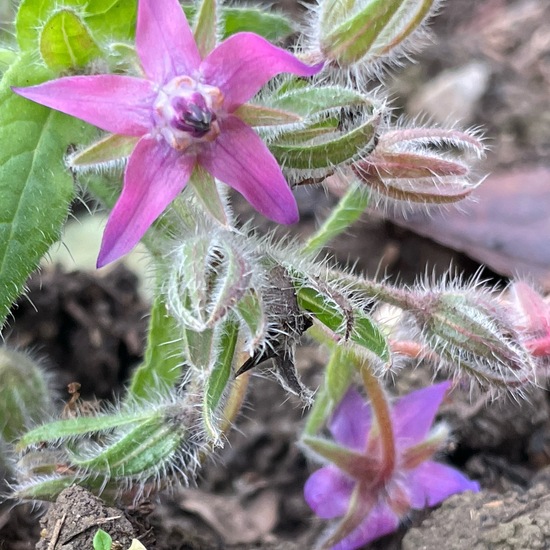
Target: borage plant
(195, 101)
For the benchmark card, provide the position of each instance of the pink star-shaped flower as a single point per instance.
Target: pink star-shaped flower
(184, 113)
(373, 492)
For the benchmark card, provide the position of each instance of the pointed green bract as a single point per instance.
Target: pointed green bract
(35, 187)
(65, 42)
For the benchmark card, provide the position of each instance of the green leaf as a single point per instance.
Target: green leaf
(35, 187)
(162, 366)
(102, 540)
(66, 43)
(219, 377)
(353, 325)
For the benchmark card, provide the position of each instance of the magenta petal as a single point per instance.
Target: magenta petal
(381, 521)
(431, 483)
(244, 62)
(117, 104)
(351, 421)
(327, 492)
(154, 176)
(164, 41)
(415, 412)
(240, 159)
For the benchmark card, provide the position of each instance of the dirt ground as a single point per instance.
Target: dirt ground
(489, 66)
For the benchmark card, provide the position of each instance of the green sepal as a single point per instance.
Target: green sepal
(343, 147)
(7, 57)
(260, 115)
(162, 366)
(45, 489)
(219, 377)
(199, 347)
(70, 428)
(206, 189)
(338, 377)
(206, 26)
(140, 451)
(251, 312)
(348, 210)
(354, 325)
(35, 187)
(306, 101)
(107, 150)
(66, 43)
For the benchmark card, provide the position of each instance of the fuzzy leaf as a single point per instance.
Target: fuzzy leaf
(104, 19)
(219, 376)
(7, 57)
(353, 325)
(35, 187)
(65, 42)
(102, 540)
(162, 366)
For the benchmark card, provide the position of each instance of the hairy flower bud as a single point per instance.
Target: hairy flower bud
(368, 31)
(471, 330)
(421, 165)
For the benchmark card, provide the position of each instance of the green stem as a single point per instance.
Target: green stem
(347, 211)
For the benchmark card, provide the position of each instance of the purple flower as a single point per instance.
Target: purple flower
(184, 113)
(371, 490)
